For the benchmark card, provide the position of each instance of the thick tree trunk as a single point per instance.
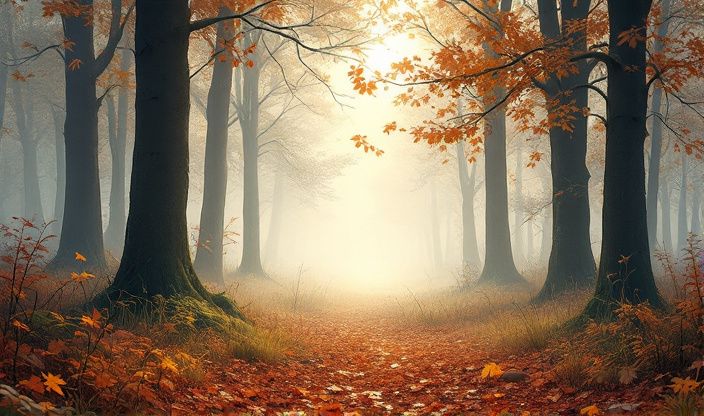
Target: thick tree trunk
(656, 134)
(251, 263)
(682, 226)
(499, 266)
(209, 254)
(60, 148)
(571, 264)
(82, 221)
(156, 259)
(625, 272)
(115, 231)
(470, 249)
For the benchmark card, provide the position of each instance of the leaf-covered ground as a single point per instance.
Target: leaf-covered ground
(366, 361)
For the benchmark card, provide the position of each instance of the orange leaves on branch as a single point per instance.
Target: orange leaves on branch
(361, 85)
(403, 67)
(361, 141)
(65, 8)
(390, 127)
(92, 321)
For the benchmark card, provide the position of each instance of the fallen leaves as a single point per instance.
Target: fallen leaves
(491, 370)
(53, 383)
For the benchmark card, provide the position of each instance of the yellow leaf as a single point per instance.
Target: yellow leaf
(53, 383)
(80, 257)
(491, 370)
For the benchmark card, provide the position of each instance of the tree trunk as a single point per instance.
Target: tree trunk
(209, 253)
(518, 229)
(499, 266)
(666, 216)
(82, 221)
(5, 45)
(251, 263)
(24, 113)
(115, 231)
(156, 258)
(271, 251)
(696, 224)
(656, 136)
(571, 264)
(59, 147)
(682, 227)
(625, 272)
(470, 249)
(435, 226)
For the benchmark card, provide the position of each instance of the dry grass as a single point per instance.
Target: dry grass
(508, 317)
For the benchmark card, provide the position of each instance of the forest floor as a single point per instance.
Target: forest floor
(372, 358)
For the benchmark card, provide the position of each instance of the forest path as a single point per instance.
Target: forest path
(371, 362)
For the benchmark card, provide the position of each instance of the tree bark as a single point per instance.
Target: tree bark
(115, 231)
(518, 229)
(248, 110)
(682, 226)
(435, 226)
(59, 146)
(696, 223)
(656, 134)
(499, 266)
(24, 114)
(5, 45)
(470, 249)
(625, 271)
(82, 215)
(571, 264)
(209, 253)
(666, 216)
(271, 252)
(156, 258)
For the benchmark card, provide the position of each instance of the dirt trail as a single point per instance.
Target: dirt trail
(363, 361)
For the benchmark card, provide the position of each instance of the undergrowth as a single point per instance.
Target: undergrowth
(58, 359)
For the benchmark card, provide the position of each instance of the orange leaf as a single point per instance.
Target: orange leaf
(53, 383)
